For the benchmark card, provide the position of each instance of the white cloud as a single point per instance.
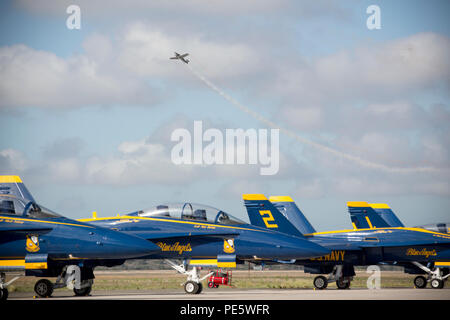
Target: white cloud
(392, 69)
(12, 161)
(137, 162)
(33, 78)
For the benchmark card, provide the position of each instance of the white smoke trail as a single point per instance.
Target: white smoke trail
(355, 159)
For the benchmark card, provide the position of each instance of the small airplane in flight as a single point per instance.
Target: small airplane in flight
(42, 243)
(181, 57)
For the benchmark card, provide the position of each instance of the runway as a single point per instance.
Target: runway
(251, 294)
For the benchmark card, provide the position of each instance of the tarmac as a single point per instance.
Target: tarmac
(250, 294)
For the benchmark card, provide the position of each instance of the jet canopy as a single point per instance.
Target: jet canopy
(190, 211)
(438, 227)
(22, 207)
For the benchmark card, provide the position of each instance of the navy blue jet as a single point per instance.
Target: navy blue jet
(366, 246)
(388, 219)
(203, 236)
(39, 242)
(382, 216)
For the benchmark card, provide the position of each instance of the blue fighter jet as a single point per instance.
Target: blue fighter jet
(42, 243)
(205, 236)
(382, 216)
(366, 246)
(389, 219)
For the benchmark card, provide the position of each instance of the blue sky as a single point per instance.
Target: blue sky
(75, 101)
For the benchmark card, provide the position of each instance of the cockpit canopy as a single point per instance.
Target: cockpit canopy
(438, 227)
(22, 207)
(190, 211)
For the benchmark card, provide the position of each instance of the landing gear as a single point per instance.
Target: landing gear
(82, 292)
(192, 287)
(3, 294)
(320, 282)
(80, 280)
(193, 284)
(420, 282)
(339, 274)
(343, 283)
(437, 284)
(43, 288)
(3, 286)
(436, 277)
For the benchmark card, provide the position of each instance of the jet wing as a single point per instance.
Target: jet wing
(184, 55)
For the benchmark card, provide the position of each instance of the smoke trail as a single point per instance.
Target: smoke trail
(337, 153)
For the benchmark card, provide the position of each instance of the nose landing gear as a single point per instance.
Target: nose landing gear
(193, 284)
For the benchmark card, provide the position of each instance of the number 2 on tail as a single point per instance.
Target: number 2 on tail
(267, 218)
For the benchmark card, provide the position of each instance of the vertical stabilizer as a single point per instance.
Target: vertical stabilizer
(289, 209)
(13, 185)
(385, 212)
(262, 213)
(364, 216)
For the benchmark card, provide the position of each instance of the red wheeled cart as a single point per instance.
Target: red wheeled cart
(219, 278)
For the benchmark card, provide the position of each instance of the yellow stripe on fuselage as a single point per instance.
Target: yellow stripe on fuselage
(169, 220)
(35, 265)
(12, 263)
(226, 264)
(45, 221)
(22, 264)
(209, 262)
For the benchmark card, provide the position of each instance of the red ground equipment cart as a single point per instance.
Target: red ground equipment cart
(219, 277)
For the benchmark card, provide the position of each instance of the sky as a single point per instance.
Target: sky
(86, 115)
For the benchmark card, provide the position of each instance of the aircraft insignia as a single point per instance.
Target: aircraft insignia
(228, 246)
(32, 243)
